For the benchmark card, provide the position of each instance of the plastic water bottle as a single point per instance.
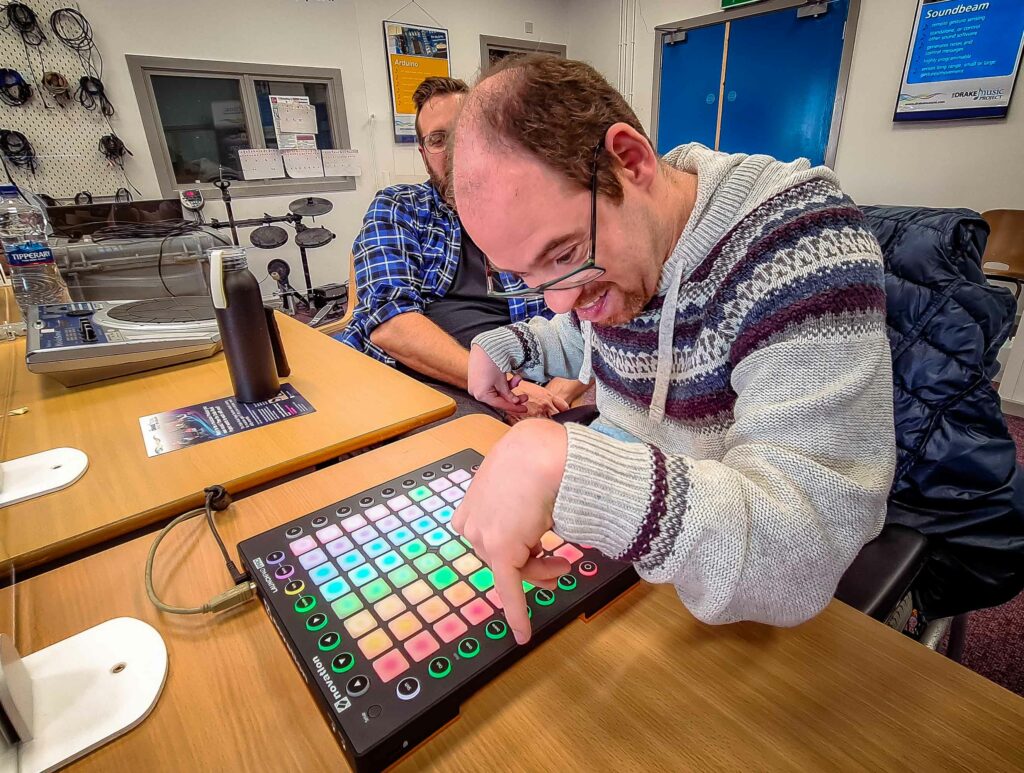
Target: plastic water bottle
(28, 259)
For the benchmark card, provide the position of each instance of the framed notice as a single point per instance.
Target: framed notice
(414, 53)
(963, 60)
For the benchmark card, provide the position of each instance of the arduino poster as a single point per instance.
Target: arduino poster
(963, 60)
(415, 53)
(195, 424)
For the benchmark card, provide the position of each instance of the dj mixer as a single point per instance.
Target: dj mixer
(392, 619)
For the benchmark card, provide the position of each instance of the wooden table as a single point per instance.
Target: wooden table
(641, 686)
(358, 401)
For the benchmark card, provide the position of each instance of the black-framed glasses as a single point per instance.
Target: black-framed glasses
(583, 274)
(434, 142)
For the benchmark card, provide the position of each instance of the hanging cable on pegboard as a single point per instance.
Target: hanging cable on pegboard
(14, 90)
(15, 149)
(23, 20)
(114, 150)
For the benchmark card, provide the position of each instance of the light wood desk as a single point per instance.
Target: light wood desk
(358, 401)
(642, 686)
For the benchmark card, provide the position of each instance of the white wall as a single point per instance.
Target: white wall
(343, 34)
(976, 164)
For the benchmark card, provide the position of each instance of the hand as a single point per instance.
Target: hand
(489, 385)
(508, 508)
(541, 402)
(569, 389)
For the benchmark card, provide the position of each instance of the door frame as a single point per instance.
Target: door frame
(663, 31)
(514, 44)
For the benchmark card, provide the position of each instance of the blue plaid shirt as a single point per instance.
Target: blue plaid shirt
(406, 256)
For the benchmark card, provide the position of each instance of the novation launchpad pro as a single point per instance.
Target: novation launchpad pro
(391, 617)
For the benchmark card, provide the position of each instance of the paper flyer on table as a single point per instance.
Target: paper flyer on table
(195, 424)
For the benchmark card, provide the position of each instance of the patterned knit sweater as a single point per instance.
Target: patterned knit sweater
(758, 382)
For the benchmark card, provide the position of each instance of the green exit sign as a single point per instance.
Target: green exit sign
(726, 4)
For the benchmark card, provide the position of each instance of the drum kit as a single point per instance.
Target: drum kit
(268, 236)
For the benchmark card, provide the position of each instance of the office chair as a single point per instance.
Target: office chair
(1005, 247)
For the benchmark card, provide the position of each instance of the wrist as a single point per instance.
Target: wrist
(542, 446)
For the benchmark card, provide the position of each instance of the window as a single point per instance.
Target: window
(493, 49)
(199, 114)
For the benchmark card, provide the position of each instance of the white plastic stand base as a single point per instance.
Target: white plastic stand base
(38, 474)
(91, 688)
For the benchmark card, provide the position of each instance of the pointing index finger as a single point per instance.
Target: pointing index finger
(509, 585)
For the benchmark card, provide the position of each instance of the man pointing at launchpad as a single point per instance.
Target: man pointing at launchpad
(731, 309)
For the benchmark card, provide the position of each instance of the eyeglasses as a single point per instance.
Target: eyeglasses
(434, 142)
(583, 274)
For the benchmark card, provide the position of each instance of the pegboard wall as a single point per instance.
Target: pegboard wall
(65, 139)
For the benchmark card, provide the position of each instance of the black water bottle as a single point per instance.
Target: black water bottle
(248, 331)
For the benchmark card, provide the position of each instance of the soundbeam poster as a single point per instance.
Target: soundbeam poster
(963, 60)
(414, 54)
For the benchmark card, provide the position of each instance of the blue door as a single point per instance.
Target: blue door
(691, 76)
(780, 83)
(781, 76)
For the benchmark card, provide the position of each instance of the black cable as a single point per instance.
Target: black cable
(16, 149)
(72, 29)
(92, 95)
(83, 197)
(217, 498)
(122, 195)
(114, 150)
(25, 22)
(14, 90)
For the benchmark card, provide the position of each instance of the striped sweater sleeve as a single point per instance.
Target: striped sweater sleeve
(539, 349)
(765, 531)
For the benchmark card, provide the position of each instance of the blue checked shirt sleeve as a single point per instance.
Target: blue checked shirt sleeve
(387, 261)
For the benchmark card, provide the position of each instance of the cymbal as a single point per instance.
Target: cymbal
(313, 237)
(310, 207)
(267, 237)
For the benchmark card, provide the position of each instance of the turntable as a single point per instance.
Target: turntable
(78, 343)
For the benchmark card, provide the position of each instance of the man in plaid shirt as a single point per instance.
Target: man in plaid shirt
(422, 283)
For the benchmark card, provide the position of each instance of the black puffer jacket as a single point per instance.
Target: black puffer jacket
(957, 478)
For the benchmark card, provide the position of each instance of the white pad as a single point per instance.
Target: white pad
(38, 474)
(91, 688)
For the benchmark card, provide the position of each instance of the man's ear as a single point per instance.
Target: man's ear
(633, 152)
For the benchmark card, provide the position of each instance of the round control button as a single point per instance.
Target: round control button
(319, 522)
(447, 466)
(374, 711)
(587, 568)
(544, 597)
(295, 587)
(342, 662)
(304, 603)
(428, 475)
(567, 582)
(293, 532)
(439, 668)
(475, 468)
(357, 685)
(316, 622)
(388, 492)
(366, 501)
(328, 641)
(276, 557)
(408, 688)
(408, 483)
(469, 647)
(344, 510)
(284, 571)
(496, 629)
